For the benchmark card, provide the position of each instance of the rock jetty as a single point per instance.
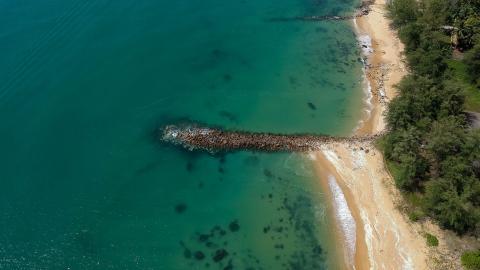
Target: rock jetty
(209, 139)
(363, 10)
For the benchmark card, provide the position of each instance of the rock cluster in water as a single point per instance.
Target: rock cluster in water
(291, 235)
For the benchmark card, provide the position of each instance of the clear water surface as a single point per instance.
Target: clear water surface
(84, 87)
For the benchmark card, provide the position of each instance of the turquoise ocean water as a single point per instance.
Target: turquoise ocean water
(84, 87)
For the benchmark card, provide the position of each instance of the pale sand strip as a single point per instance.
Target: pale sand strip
(385, 239)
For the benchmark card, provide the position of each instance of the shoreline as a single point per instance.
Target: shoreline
(325, 170)
(384, 238)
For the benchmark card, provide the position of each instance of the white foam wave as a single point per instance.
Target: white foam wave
(345, 219)
(368, 237)
(366, 44)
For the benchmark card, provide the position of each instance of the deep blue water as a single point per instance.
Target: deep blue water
(84, 87)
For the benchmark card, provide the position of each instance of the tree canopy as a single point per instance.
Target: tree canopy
(429, 142)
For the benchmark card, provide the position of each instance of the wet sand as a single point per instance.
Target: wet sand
(385, 238)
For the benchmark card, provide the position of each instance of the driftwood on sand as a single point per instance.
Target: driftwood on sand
(213, 140)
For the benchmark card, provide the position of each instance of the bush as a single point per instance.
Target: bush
(415, 215)
(471, 260)
(432, 240)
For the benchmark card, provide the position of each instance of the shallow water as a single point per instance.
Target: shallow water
(84, 182)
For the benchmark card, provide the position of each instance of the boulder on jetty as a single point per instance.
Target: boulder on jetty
(195, 137)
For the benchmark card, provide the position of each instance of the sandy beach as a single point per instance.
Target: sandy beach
(385, 239)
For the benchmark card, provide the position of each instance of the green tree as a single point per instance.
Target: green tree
(411, 172)
(451, 209)
(453, 101)
(472, 60)
(411, 35)
(402, 142)
(446, 138)
(469, 31)
(422, 101)
(428, 62)
(435, 12)
(403, 11)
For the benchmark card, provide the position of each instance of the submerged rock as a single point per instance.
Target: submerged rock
(233, 226)
(189, 167)
(219, 255)
(203, 238)
(180, 208)
(199, 255)
(267, 173)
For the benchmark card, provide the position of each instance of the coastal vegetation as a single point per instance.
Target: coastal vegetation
(471, 260)
(432, 240)
(430, 150)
